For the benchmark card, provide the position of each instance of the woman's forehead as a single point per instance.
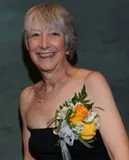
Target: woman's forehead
(38, 23)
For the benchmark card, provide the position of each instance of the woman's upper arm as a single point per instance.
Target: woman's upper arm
(111, 126)
(25, 131)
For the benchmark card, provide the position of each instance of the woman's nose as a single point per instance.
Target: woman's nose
(44, 44)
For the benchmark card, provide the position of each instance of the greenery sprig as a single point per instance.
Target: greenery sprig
(81, 97)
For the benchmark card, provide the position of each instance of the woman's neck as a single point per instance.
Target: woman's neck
(57, 77)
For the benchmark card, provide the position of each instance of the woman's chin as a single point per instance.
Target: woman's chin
(46, 68)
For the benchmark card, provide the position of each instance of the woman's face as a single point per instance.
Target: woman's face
(47, 48)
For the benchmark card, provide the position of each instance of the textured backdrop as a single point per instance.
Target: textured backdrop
(103, 37)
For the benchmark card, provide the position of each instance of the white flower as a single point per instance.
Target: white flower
(62, 112)
(93, 117)
(67, 134)
(78, 128)
(74, 107)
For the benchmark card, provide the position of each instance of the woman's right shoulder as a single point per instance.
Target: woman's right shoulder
(26, 96)
(29, 91)
(26, 92)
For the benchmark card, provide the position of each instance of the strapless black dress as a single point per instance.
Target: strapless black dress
(43, 145)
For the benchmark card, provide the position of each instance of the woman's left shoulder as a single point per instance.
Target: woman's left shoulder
(96, 82)
(90, 74)
(92, 78)
(94, 75)
(95, 78)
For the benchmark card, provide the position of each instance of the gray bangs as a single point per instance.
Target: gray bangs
(49, 21)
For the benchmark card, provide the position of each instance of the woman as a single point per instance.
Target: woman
(50, 39)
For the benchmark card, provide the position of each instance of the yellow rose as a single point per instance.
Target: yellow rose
(80, 114)
(89, 131)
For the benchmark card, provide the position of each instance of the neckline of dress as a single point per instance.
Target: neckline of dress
(34, 129)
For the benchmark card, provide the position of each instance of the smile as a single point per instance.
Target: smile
(46, 55)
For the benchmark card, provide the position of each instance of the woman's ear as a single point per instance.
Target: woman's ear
(67, 52)
(26, 44)
(25, 40)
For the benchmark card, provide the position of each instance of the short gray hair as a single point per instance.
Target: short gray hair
(53, 16)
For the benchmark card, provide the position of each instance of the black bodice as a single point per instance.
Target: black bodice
(43, 145)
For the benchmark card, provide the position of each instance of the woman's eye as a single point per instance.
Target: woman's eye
(35, 35)
(55, 34)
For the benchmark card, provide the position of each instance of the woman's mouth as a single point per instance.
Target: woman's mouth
(46, 55)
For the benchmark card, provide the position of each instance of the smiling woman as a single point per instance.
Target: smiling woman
(57, 22)
(67, 114)
(46, 38)
(46, 48)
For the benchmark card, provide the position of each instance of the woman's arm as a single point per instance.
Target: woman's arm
(24, 101)
(111, 126)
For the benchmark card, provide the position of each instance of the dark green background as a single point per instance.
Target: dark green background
(103, 37)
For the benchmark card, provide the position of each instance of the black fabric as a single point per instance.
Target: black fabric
(43, 145)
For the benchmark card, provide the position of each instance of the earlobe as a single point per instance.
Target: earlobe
(25, 41)
(67, 52)
(26, 44)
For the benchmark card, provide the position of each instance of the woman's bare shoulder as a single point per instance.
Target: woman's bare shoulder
(81, 72)
(95, 78)
(29, 90)
(26, 92)
(91, 78)
(96, 83)
(99, 90)
(27, 95)
(90, 75)
(25, 98)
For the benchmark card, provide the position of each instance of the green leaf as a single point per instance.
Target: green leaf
(51, 121)
(91, 141)
(79, 96)
(89, 106)
(73, 100)
(83, 91)
(69, 112)
(85, 143)
(85, 101)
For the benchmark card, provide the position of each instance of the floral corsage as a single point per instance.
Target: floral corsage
(75, 120)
